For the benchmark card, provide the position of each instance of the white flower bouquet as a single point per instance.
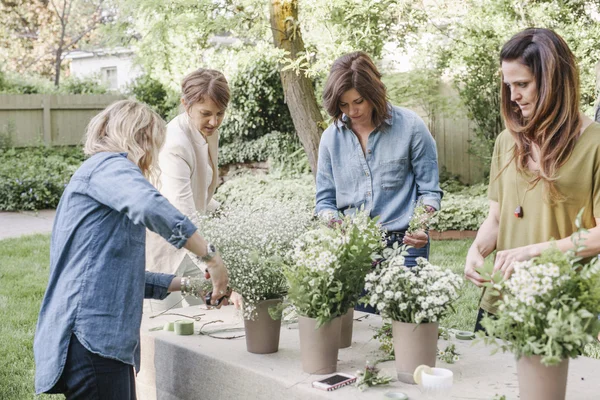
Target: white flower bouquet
(423, 293)
(549, 308)
(255, 242)
(329, 264)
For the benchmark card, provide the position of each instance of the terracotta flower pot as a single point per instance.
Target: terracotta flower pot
(413, 345)
(539, 382)
(319, 347)
(346, 329)
(262, 333)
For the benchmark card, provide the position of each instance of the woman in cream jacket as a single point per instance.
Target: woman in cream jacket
(189, 176)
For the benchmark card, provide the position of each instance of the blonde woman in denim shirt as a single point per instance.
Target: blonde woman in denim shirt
(375, 155)
(87, 341)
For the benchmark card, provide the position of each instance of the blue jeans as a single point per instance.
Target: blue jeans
(88, 376)
(410, 260)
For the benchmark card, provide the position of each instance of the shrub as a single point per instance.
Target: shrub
(465, 210)
(150, 91)
(35, 178)
(257, 104)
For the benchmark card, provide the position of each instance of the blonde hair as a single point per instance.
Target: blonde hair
(128, 126)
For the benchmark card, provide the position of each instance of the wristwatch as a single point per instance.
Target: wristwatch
(211, 252)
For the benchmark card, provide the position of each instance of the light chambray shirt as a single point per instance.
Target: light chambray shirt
(97, 264)
(400, 166)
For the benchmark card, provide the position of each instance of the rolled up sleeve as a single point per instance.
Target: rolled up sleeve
(157, 285)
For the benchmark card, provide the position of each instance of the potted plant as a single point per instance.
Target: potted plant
(254, 241)
(547, 314)
(363, 245)
(325, 278)
(415, 299)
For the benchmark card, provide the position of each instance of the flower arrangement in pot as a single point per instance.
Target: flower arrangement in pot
(325, 279)
(415, 299)
(254, 240)
(548, 313)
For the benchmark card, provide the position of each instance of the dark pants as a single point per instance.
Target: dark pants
(482, 313)
(88, 376)
(410, 260)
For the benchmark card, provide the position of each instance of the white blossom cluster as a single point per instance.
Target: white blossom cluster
(255, 241)
(419, 294)
(530, 283)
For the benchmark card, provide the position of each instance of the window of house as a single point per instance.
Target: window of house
(109, 77)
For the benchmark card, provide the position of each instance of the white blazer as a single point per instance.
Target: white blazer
(186, 161)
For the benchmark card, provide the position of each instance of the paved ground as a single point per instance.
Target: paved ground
(15, 224)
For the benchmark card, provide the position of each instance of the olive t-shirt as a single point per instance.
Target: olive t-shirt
(578, 181)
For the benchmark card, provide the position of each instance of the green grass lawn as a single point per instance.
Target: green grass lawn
(24, 274)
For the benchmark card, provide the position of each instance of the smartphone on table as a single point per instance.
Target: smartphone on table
(334, 382)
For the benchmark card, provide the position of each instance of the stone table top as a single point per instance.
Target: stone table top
(177, 367)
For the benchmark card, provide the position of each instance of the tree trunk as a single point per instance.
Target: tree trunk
(57, 64)
(298, 89)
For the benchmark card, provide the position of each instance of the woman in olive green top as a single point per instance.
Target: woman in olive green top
(546, 164)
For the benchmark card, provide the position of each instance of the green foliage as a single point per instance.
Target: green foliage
(11, 83)
(465, 210)
(255, 188)
(152, 92)
(257, 104)
(35, 178)
(273, 145)
(549, 308)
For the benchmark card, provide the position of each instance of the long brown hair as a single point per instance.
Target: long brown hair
(555, 123)
(356, 71)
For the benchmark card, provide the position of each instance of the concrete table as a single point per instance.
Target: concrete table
(202, 367)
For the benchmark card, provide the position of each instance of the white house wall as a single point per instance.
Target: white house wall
(92, 66)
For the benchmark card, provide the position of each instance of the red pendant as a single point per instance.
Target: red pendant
(519, 212)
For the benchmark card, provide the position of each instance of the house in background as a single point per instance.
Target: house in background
(115, 67)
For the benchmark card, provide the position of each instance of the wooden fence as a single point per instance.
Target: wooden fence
(55, 120)
(52, 120)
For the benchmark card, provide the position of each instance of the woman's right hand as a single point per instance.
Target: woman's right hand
(216, 271)
(474, 261)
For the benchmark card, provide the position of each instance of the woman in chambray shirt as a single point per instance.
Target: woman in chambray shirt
(88, 333)
(375, 155)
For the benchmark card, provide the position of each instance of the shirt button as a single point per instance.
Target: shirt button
(369, 151)
(368, 193)
(367, 173)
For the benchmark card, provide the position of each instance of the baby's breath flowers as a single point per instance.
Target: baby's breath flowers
(423, 293)
(254, 241)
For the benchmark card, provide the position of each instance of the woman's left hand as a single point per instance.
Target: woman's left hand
(417, 240)
(505, 259)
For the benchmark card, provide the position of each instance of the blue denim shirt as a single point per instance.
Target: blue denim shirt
(400, 166)
(97, 264)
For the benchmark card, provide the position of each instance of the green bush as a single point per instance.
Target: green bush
(462, 211)
(257, 104)
(18, 84)
(150, 91)
(249, 188)
(283, 150)
(35, 178)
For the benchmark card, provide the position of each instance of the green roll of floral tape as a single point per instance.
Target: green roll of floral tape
(169, 326)
(464, 335)
(184, 327)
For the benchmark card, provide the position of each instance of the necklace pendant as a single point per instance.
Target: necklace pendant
(519, 212)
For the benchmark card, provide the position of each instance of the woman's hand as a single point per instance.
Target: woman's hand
(216, 271)
(236, 300)
(474, 261)
(505, 259)
(417, 240)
